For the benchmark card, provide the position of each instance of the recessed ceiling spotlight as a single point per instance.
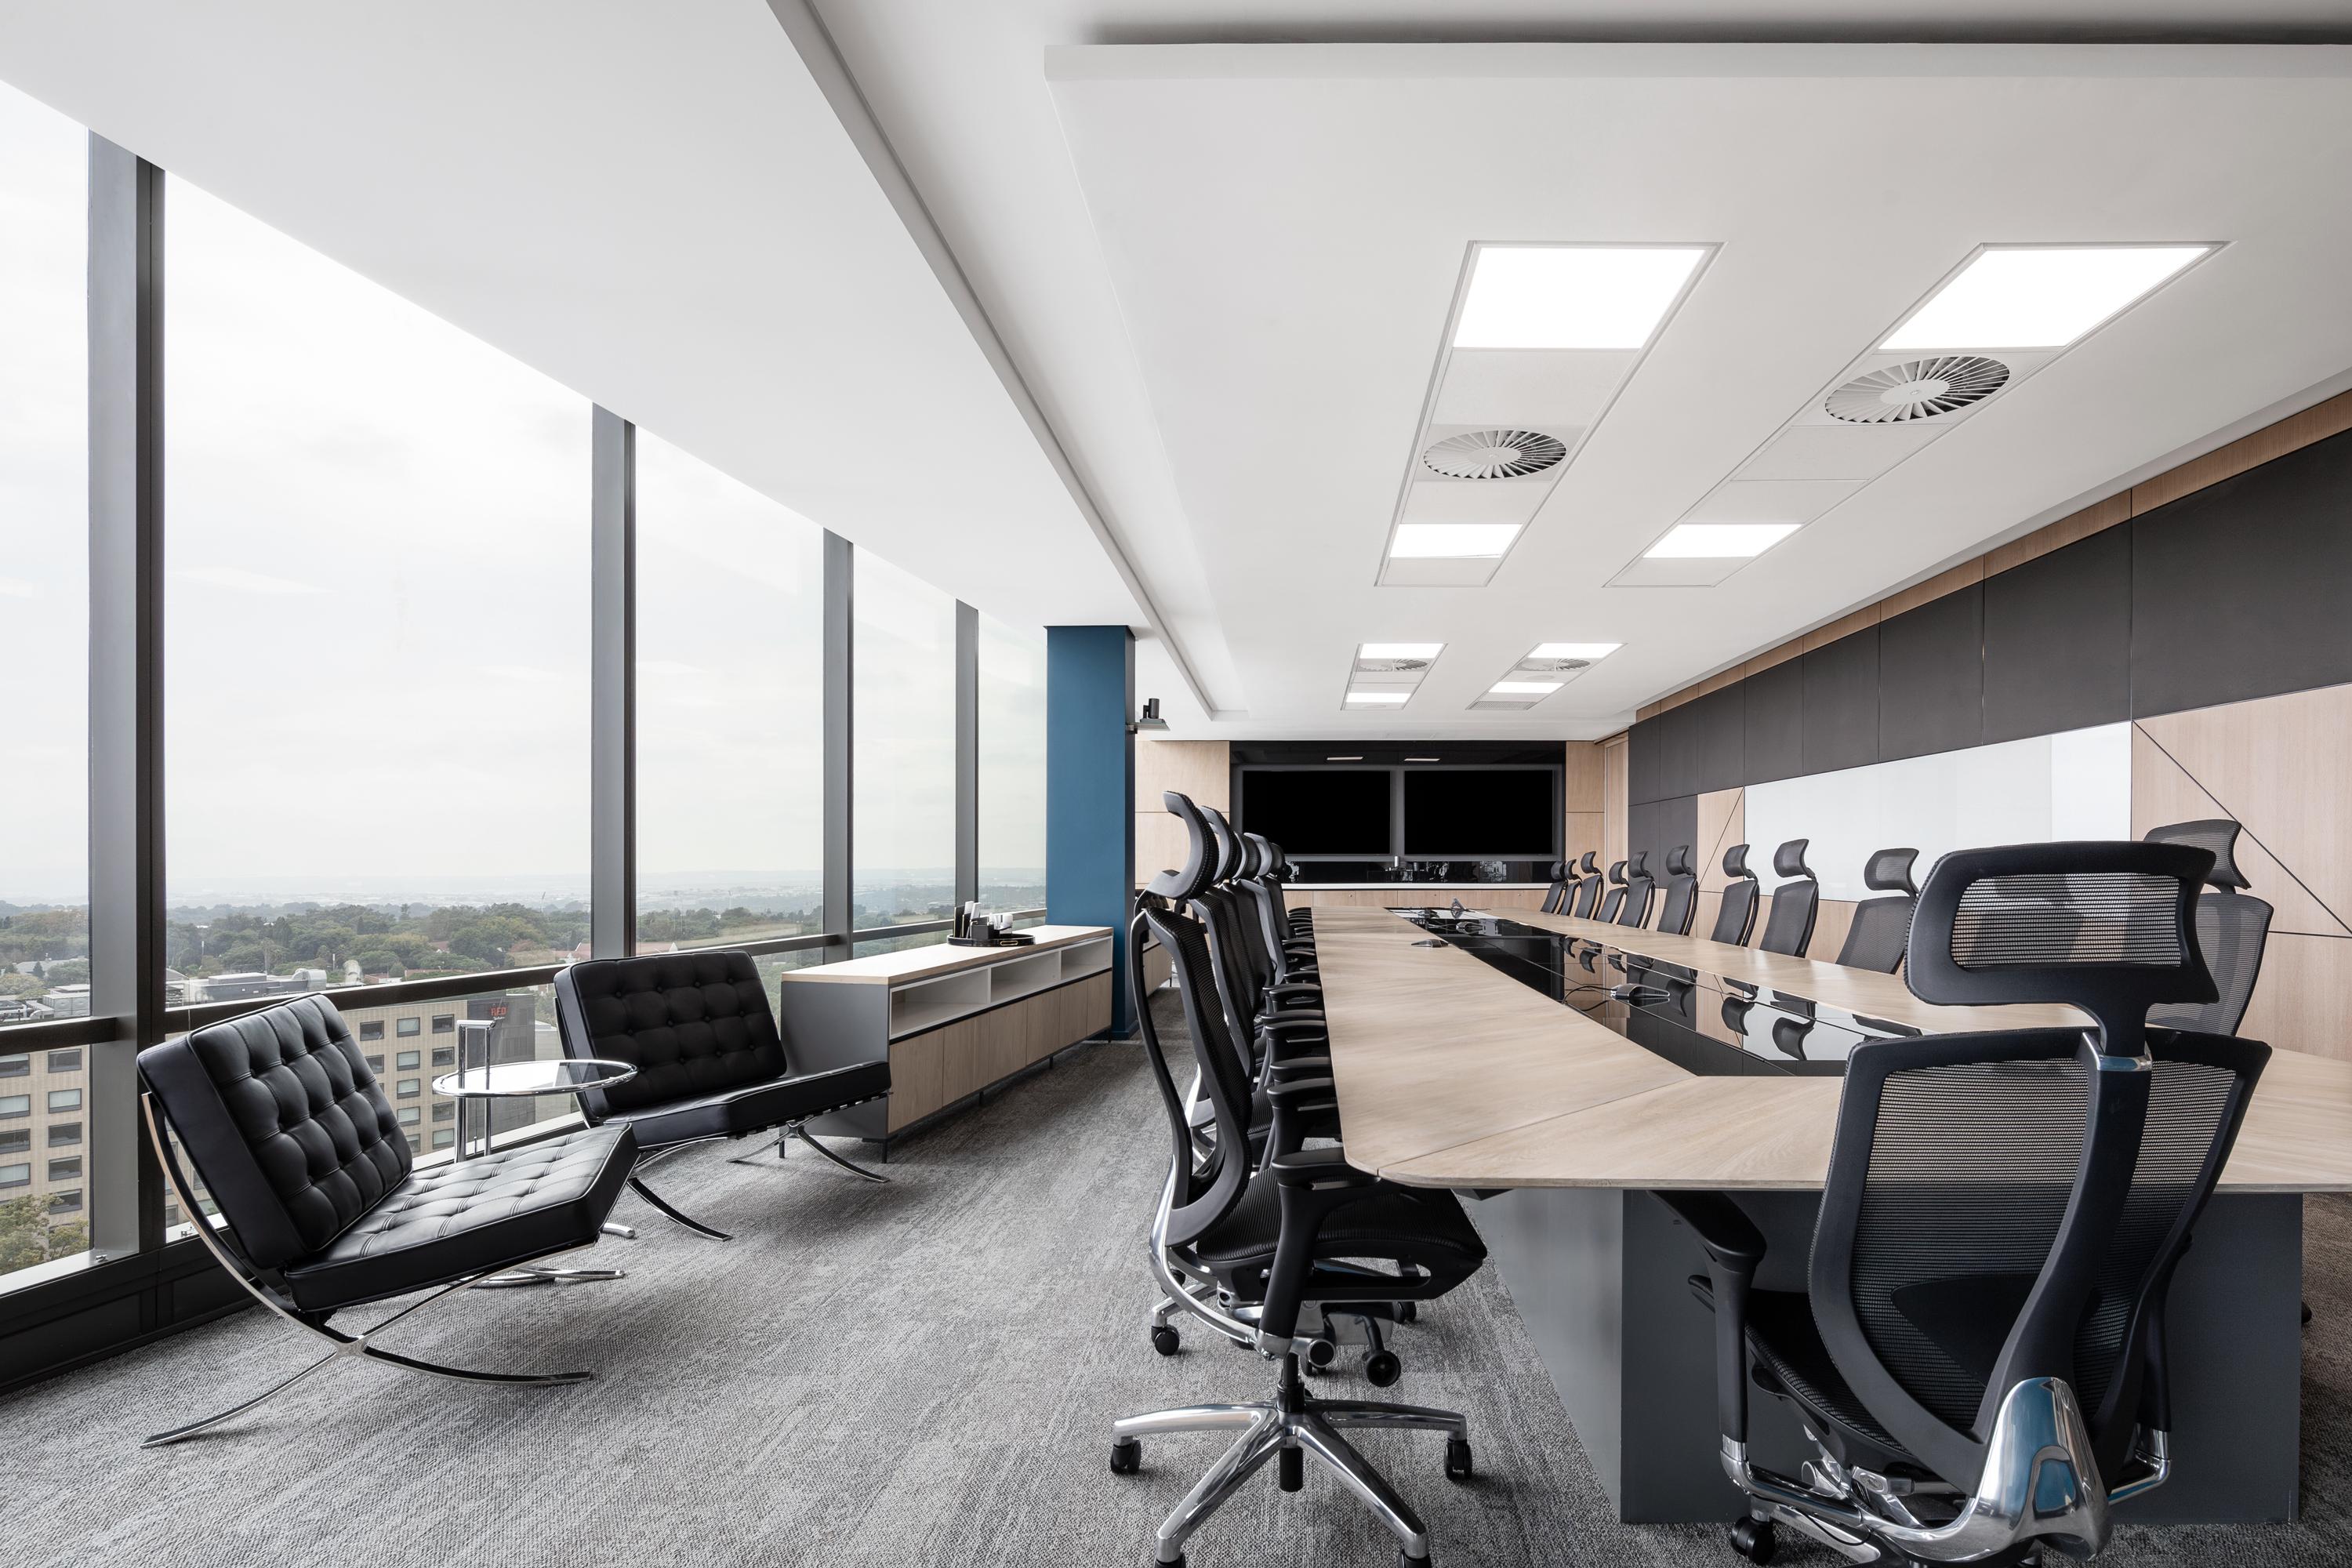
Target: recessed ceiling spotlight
(1443, 541)
(1525, 687)
(1373, 698)
(2039, 297)
(1718, 541)
(1575, 650)
(1571, 296)
(1400, 650)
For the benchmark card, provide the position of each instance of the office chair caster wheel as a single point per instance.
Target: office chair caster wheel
(1290, 1469)
(1126, 1457)
(1457, 1459)
(1382, 1368)
(1753, 1538)
(1165, 1340)
(1319, 1356)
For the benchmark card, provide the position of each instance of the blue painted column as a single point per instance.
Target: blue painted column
(1090, 790)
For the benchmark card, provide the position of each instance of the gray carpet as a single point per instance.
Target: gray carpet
(880, 1377)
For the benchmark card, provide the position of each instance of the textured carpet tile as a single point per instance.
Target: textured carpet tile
(880, 1377)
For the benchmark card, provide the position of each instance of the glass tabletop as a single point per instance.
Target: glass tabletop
(563, 1075)
(1703, 1022)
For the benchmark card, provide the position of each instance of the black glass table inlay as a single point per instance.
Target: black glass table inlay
(1702, 1022)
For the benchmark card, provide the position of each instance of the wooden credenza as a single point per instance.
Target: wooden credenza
(952, 1020)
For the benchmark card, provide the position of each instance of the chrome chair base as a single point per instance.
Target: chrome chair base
(1291, 1425)
(532, 1274)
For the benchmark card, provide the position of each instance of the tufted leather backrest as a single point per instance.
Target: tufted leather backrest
(691, 1023)
(284, 1123)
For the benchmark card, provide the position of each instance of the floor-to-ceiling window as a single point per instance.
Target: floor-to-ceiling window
(376, 656)
(903, 748)
(1012, 766)
(44, 639)
(730, 711)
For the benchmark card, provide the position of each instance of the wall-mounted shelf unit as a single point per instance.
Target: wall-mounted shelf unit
(952, 1020)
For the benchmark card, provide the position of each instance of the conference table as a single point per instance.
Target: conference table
(1557, 1071)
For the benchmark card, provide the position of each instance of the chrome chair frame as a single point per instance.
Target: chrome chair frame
(360, 1346)
(784, 1131)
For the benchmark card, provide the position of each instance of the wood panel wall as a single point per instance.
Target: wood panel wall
(1201, 769)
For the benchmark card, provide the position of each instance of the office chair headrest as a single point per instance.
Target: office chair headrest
(2109, 927)
(1789, 860)
(1617, 871)
(1262, 853)
(1889, 872)
(1734, 864)
(1637, 864)
(1229, 846)
(2217, 834)
(1199, 865)
(1678, 860)
(1590, 865)
(1559, 871)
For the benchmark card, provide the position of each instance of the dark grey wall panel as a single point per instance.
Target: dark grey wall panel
(1657, 826)
(2244, 588)
(1842, 703)
(1722, 718)
(2057, 640)
(1931, 676)
(1677, 752)
(1642, 761)
(1773, 721)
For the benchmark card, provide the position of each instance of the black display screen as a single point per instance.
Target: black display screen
(1318, 811)
(1491, 813)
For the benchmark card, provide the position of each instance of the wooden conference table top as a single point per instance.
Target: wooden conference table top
(1450, 1074)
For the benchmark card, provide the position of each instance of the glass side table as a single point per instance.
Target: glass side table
(473, 1085)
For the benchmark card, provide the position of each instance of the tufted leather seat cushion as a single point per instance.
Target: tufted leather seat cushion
(446, 1222)
(709, 1061)
(763, 1106)
(282, 1120)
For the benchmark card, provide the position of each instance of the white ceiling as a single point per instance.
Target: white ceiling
(654, 205)
(1223, 271)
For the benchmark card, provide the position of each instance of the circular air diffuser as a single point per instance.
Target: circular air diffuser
(1552, 666)
(1922, 389)
(1494, 455)
(1390, 666)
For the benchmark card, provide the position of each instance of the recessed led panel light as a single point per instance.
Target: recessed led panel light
(1575, 650)
(1524, 688)
(1718, 541)
(2038, 297)
(1376, 697)
(1400, 650)
(1571, 296)
(1440, 541)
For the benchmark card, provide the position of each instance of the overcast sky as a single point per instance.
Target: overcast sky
(377, 571)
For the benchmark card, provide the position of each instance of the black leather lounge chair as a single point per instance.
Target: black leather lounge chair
(320, 1207)
(709, 1062)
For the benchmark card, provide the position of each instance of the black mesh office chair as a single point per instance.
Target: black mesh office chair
(1980, 1349)
(1612, 903)
(1292, 956)
(1641, 891)
(1556, 894)
(1789, 928)
(1735, 917)
(321, 1206)
(1682, 893)
(1588, 885)
(1881, 926)
(2232, 928)
(1276, 1235)
(709, 1062)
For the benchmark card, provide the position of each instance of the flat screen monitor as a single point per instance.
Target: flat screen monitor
(1500, 814)
(1318, 811)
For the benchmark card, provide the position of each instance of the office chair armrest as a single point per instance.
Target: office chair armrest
(1290, 1065)
(1298, 1104)
(1312, 1184)
(1284, 1026)
(1734, 1247)
(1292, 988)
